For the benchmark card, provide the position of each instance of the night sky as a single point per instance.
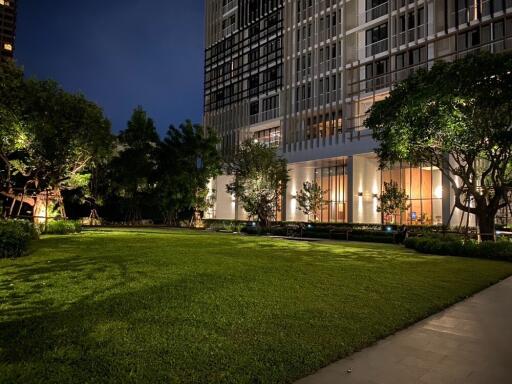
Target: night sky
(119, 53)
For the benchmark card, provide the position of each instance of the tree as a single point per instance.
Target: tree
(52, 139)
(188, 159)
(260, 178)
(131, 175)
(456, 117)
(393, 200)
(310, 199)
(12, 129)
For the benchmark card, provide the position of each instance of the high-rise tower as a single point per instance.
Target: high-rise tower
(302, 74)
(7, 28)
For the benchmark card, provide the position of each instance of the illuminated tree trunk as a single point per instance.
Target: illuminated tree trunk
(40, 209)
(486, 225)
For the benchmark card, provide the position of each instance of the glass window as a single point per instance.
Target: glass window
(423, 186)
(333, 181)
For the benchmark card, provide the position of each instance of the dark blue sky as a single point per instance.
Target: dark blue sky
(119, 53)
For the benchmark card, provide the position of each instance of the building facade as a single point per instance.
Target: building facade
(7, 28)
(302, 74)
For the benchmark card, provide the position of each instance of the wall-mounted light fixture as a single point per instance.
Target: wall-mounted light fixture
(438, 192)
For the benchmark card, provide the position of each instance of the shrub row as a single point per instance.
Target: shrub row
(62, 227)
(217, 224)
(15, 235)
(224, 225)
(453, 246)
(327, 232)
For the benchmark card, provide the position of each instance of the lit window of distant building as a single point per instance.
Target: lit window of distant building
(7, 46)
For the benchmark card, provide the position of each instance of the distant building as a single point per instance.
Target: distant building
(7, 28)
(301, 75)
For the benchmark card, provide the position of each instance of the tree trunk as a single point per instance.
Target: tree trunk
(40, 209)
(265, 222)
(486, 226)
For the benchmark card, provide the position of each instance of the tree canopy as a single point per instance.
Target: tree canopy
(310, 199)
(260, 178)
(188, 159)
(130, 177)
(393, 200)
(50, 138)
(457, 116)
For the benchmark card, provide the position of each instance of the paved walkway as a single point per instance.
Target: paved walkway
(469, 343)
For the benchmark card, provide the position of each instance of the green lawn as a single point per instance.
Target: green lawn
(178, 306)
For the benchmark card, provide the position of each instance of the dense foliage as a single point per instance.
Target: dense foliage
(310, 199)
(260, 178)
(457, 117)
(50, 140)
(15, 236)
(157, 180)
(128, 183)
(187, 160)
(59, 159)
(62, 227)
(456, 246)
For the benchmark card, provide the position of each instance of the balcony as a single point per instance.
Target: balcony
(303, 105)
(264, 116)
(465, 15)
(378, 82)
(333, 63)
(229, 7)
(411, 35)
(374, 13)
(229, 30)
(376, 48)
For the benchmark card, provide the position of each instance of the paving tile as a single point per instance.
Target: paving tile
(469, 343)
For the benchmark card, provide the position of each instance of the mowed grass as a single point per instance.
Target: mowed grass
(189, 307)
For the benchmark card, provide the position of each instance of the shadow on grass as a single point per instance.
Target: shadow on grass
(146, 335)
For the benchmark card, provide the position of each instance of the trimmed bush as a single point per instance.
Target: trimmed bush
(63, 227)
(375, 233)
(456, 246)
(15, 236)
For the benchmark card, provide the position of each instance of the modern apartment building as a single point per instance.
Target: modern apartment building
(7, 28)
(302, 74)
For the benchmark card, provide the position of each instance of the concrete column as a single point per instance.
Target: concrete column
(284, 204)
(350, 189)
(448, 201)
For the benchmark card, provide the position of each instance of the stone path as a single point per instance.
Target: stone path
(468, 343)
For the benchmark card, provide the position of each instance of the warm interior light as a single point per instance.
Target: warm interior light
(8, 47)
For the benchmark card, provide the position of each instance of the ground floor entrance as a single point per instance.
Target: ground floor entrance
(352, 187)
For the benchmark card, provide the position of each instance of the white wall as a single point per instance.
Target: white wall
(224, 205)
(366, 178)
(298, 175)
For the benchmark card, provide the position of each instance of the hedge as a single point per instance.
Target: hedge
(15, 236)
(219, 224)
(63, 227)
(453, 246)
